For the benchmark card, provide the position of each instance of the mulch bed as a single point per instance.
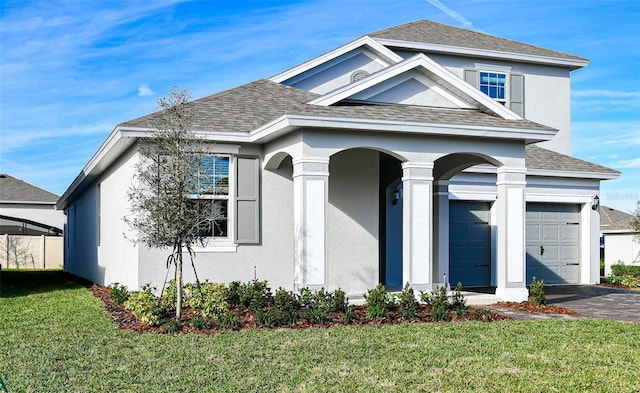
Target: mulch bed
(604, 284)
(537, 308)
(127, 322)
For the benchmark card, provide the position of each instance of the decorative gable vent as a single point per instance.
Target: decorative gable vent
(357, 75)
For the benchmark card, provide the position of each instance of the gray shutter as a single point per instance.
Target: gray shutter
(471, 77)
(516, 94)
(247, 200)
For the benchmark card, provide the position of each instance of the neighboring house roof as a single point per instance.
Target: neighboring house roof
(255, 104)
(612, 220)
(540, 160)
(14, 190)
(429, 32)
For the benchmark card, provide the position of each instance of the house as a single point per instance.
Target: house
(30, 226)
(411, 153)
(621, 241)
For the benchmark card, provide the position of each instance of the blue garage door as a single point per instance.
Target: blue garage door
(469, 243)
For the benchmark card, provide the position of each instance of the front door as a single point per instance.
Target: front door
(469, 243)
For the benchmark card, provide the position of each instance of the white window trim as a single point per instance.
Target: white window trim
(227, 244)
(493, 68)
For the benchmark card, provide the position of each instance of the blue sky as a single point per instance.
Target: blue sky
(71, 70)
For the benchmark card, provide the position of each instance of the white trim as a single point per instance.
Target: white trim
(487, 53)
(489, 196)
(578, 174)
(385, 53)
(558, 198)
(216, 247)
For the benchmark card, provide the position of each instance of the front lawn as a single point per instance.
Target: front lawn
(55, 336)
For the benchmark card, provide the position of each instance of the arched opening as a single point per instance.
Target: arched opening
(469, 232)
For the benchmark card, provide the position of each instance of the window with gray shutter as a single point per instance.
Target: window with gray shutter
(247, 200)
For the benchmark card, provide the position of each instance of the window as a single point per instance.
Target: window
(212, 197)
(494, 85)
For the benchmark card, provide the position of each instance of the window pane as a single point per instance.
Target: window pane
(220, 219)
(493, 84)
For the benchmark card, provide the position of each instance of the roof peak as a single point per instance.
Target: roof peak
(429, 32)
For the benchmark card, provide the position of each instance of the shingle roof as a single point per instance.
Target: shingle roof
(426, 31)
(541, 158)
(240, 109)
(16, 190)
(612, 220)
(255, 104)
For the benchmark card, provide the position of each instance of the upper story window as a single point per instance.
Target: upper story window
(494, 84)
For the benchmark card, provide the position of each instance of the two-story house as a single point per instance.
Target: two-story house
(411, 153)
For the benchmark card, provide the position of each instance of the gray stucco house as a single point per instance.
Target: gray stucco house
(410, 153)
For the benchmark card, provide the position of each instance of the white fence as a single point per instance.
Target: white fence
(31, 252)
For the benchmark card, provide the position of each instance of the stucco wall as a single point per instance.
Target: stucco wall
(619, 247)
(352, 240)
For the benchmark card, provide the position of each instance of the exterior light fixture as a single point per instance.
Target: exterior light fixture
(596, 203)
(396, 197)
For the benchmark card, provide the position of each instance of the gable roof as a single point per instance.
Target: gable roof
(446, 38)
(612, 220)
(14, 190)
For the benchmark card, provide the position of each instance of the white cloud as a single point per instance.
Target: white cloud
(144, 90)
(438, 4)
(632, 163)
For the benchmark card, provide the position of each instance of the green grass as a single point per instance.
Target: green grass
(55, 336)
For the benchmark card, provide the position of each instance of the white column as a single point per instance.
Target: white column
(441, 233)
(511, 285)
(310, 196)
(417, 214)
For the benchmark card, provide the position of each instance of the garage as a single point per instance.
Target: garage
(553, 243)
(469, 243)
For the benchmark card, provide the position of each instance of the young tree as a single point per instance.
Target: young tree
(166, 205)
(635, 222)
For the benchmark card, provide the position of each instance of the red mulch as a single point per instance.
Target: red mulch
(127, 322)
(537, 308)
(604, 284)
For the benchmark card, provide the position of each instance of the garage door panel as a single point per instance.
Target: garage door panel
(555, 229)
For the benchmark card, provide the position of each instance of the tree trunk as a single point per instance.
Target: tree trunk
(179, 285)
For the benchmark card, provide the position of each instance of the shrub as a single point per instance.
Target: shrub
(255, 295)
(536, 292)
(407, 303)
(198, 323)
(144, 306)
(316, 305)
(349, 314)
(287, 304)
(625, 270)
(340, 301)
(438, 301)
(233, 294)
(208, 299)
(458, 304)
(119, 293)
(376, 302)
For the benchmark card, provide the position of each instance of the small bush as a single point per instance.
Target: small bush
(233, 294)
(228, 320)
(407, 303)
(376, 302)
(208, 299)
(625, 270)
(119, 293)
(458, 304)
(198, 323)
(287, 304)
(438, 301)
(144, 306)
(255, 295)
(349, 314)
(536, 292)
(340, 301)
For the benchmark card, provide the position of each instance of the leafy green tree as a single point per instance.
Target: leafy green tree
(166, 208)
